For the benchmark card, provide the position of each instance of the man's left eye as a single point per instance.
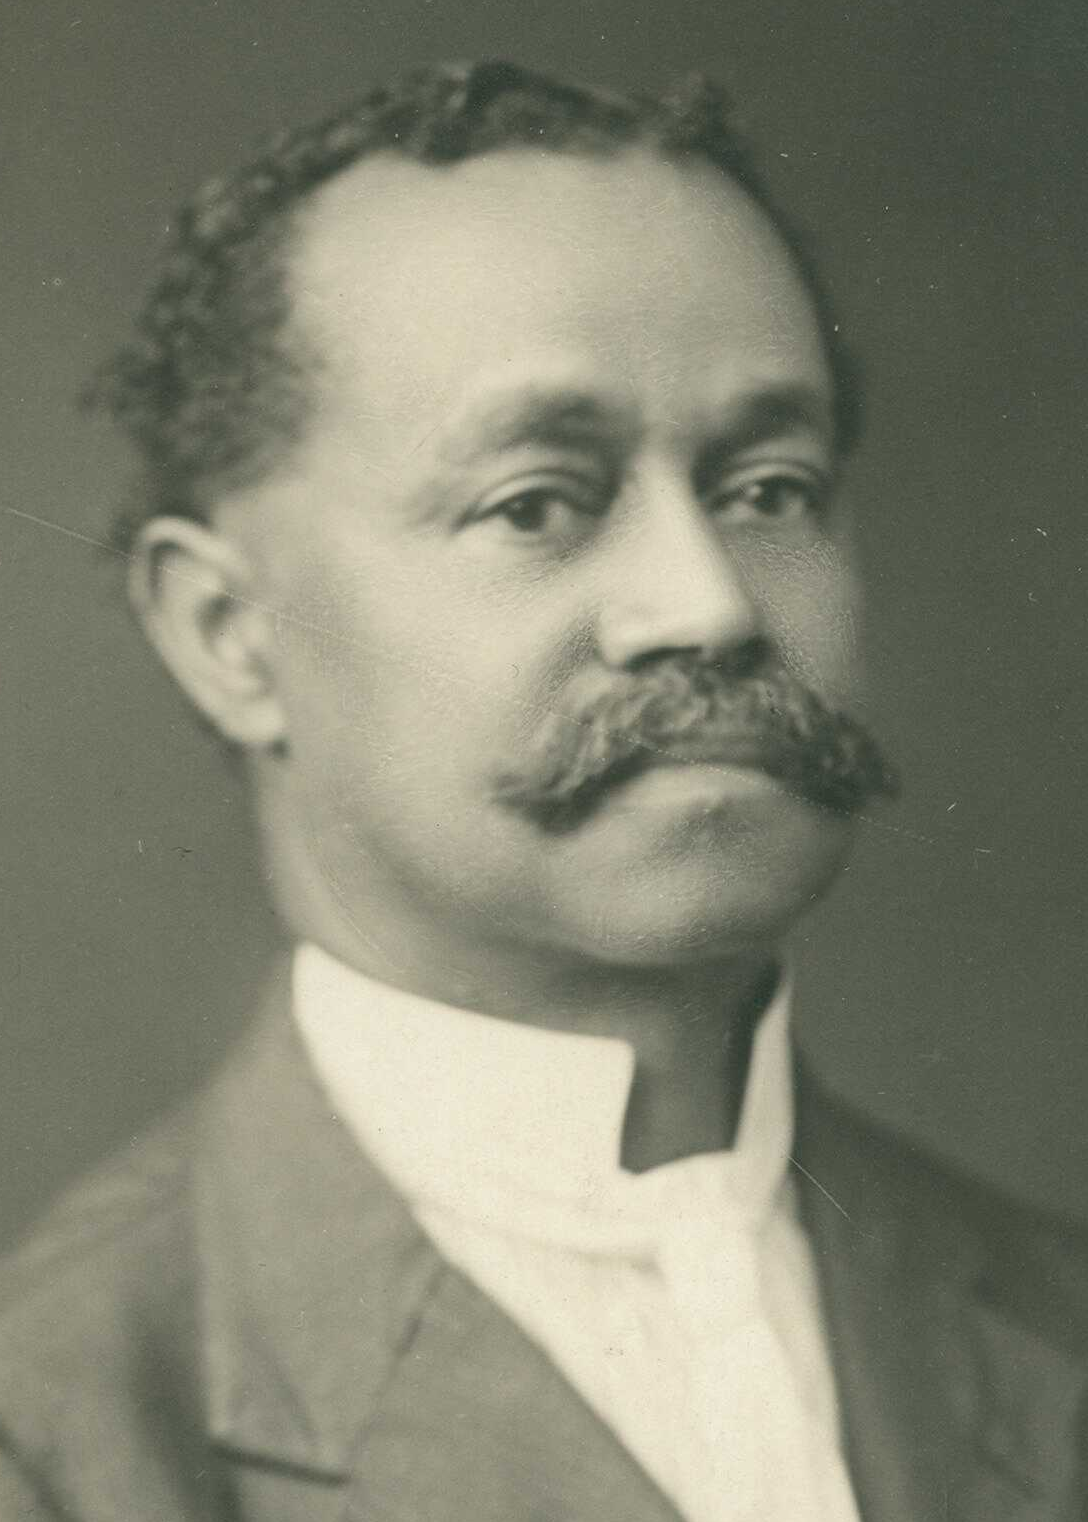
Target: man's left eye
(780, 497)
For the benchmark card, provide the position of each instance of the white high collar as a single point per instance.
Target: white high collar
(519, 1127)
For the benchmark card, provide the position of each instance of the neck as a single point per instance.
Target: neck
(691, 1074)
(689, 1022)
(690, 1026)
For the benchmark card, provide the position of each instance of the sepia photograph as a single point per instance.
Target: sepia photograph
(544, 585)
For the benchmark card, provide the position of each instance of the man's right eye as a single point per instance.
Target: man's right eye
(532, 512)
(546, 514)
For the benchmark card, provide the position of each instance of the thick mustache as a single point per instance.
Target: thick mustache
(684, 709)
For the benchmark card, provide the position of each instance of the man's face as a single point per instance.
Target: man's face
(575, 418)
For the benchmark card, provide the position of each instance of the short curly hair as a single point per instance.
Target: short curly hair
(213, 389)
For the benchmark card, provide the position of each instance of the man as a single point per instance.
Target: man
(493, 435)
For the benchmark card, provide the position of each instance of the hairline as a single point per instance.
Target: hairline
(274, 409)
(288, 235)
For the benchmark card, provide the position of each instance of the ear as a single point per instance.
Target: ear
(191, 589)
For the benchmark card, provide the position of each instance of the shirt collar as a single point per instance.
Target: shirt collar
(520, 1127)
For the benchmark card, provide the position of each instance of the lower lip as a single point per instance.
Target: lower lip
(698, 781)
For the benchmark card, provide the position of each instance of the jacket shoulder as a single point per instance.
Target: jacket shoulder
(1029, 1261)
(97, 1215)
(98, 1336)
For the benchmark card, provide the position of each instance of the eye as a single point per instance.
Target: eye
(532, 512)
(551, 513)
(779, 496)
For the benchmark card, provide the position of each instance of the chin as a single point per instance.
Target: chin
(712, 895)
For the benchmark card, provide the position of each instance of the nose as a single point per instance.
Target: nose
(678, 589)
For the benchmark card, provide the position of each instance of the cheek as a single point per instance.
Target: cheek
(358, 629)
(392, 695)
(813, 606)
(419, 660)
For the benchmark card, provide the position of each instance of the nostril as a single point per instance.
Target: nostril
(645, 660)
(748, 658)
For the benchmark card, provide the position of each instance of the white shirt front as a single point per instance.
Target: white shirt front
(681, 1303)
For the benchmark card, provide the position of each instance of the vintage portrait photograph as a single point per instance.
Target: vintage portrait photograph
(544, 701)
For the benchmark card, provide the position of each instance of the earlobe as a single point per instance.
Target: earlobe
(192, 591)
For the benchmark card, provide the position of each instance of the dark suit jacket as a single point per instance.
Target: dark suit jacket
(240, 1320)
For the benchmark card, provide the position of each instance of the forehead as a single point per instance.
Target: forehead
(662, 284)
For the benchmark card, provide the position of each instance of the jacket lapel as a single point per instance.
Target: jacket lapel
(953, 1405)
(1027, 1423)
(477, 1425)
(352, 1372)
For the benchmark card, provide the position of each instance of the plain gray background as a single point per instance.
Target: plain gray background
(936, 150)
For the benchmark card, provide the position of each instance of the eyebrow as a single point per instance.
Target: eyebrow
(534, 415)
(569, 418)
(762, 417)
(778, 409)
